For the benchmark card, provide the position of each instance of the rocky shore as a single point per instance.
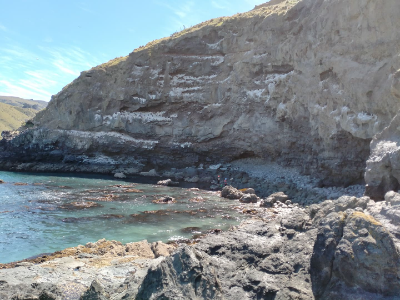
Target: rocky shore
(338, 249)
(297, 97)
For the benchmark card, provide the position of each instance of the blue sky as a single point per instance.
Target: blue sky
(45, 44)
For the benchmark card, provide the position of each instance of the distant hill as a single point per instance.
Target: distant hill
(15, 111)
(24, 103)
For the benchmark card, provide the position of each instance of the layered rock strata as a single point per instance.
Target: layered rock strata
(303, 83)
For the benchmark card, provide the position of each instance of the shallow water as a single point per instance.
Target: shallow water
(38, 217)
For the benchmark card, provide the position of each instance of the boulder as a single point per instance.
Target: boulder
(141, 249)
(354, 253)
(161, 249)
(120, 175)
(248, 191)
(273, 198)
(392, 198)
(249, 198)
(231, 193)
(184, 276)
(167, 182)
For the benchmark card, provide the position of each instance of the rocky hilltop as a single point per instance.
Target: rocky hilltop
(306, 84)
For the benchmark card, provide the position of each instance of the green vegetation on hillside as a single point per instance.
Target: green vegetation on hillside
(12, 117)
(24, 103)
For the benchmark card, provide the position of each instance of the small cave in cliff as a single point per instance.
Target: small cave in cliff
(246, 154)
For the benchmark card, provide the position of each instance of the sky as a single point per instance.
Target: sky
(45, 44)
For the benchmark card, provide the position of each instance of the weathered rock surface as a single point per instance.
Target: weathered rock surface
(312, 74)
(95, 271)
(231, 193)
(334, 250)
(249, 198)
(273, 198)
(383, 165)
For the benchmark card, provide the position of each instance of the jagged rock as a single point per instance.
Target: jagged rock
(119, 175)
(330, 232)
(251, 262)
(266, 203)
(249, 198)
(161, 249)
(352, 254)
(185, 276)
(344, 203)
(95, 292)
(393, 198)
(383, 165)
(142, 249)
(231, 193)
(167, 182)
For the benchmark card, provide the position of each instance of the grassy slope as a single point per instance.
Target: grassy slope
(12, 117)
(273, 7)
(19, 102)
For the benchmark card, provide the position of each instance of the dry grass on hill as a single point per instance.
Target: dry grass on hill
(12, 117)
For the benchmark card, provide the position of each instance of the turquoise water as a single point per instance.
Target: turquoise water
(38, 217)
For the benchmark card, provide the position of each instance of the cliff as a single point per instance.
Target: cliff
(305, 84)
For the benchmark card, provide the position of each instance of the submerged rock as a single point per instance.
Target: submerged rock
(165, 200)
(80, 205)
(198, 199)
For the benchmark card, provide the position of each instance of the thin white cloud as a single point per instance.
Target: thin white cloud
(3, 28)
(7, 88)
(41, 73)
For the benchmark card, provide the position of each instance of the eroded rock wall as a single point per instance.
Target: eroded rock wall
(304, 83)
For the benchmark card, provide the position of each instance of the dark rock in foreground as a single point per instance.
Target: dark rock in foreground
(341, 249)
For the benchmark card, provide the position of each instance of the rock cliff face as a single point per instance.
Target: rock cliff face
(303, 83)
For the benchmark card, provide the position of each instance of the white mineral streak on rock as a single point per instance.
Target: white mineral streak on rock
(307, 84)
(215, 167)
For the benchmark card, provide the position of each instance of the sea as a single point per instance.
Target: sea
(43, 213)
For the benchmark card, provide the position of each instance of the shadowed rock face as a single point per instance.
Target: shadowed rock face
(383, 165)
(301, 83)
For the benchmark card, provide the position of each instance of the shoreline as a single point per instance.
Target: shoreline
(278, 245)
(265, 177)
